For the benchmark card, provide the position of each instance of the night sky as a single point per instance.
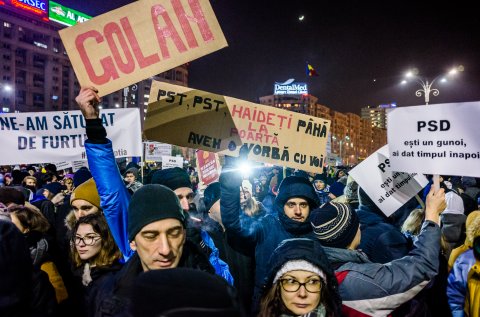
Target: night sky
(360, 51)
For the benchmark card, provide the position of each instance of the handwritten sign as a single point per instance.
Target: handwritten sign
(388, 190)
(58, 136)
(139, 40)
(435, 139)
(215, 123)
(208, 167)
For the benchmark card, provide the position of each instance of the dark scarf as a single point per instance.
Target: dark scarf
(295, 227)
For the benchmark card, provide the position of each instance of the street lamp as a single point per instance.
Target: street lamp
(426, 84)
(346, 138)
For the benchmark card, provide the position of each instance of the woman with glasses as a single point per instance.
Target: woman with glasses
(95, 256)
(300, 282)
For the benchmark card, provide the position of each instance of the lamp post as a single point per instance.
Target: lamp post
(427, 85)
(346, 138)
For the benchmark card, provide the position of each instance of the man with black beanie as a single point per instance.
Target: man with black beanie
(156, 231)
(178, 180)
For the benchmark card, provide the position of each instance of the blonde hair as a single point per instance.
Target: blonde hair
(473, 231)
(414, 221)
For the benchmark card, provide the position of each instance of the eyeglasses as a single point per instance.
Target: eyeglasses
(87, 240)
(292, 285)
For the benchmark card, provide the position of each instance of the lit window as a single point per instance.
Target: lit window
(7, 25)
(40, 45)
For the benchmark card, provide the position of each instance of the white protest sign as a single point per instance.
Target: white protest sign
(388, 190)
(76, 165)
(155, 150)
(63, 165)
(435, 139)
(59, 136)
(171, 162)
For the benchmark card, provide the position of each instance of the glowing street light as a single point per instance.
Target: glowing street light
(6, 87)
(427, 85)
(347, 139)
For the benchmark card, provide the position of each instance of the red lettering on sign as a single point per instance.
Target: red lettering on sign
(109, 30)
(137, 51)
(125, 50)
(198, 18)
(168, 31)
(107, 62)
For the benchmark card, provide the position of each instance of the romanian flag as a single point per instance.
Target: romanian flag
(311, 71)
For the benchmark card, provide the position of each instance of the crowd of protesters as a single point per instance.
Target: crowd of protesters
(105, 241)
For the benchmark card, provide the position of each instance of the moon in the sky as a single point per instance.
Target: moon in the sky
(300, 18)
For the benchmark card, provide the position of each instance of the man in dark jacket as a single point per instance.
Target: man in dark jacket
(381, 241)
(157, 231)
(290, 219)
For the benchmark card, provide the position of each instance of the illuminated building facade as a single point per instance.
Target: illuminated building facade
(353, 138)
(377, 116)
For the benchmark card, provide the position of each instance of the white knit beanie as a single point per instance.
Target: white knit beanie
(299, 265)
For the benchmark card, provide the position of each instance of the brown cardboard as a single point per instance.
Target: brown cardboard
(139, 40)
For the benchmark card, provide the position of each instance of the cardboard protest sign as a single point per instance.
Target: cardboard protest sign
(214, 123)
(155, 150)
(435, 139)
(59, 136)
(187, 117)
(139, 40)
(208, 167)
(171, 162)
(388, 190)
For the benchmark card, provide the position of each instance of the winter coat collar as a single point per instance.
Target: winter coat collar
(338, 257)
(295, 227)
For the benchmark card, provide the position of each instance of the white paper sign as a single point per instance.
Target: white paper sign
(435, 139)
(63, 165)
(76, 165)
(388, 190)
(59, 136)
(155, 150)
(172, 161)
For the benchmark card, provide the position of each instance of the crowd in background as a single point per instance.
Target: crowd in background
(105, 241)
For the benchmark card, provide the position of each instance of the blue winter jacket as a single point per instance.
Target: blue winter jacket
(457, 282)
(381, 241)
(263, 235)
(115, 198)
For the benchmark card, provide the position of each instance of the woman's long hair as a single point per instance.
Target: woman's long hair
(109, 252)
(272, 303)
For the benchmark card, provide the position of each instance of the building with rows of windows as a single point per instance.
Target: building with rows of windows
(36, 74)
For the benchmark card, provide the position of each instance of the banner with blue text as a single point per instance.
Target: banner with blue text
(57, 136)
